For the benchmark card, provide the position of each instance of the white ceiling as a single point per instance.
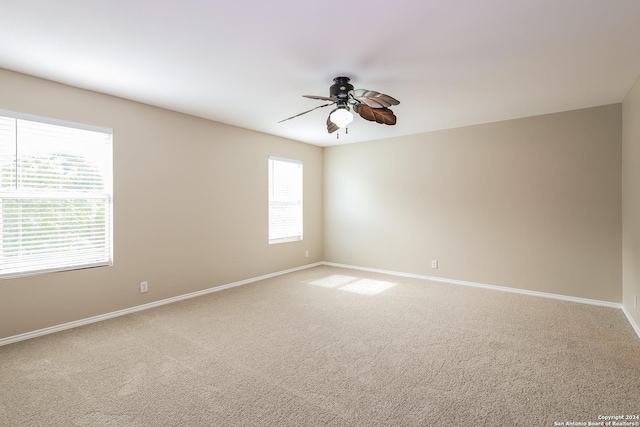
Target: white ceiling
(247, 62)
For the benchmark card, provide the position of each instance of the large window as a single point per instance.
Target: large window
(55, 195)
(285, 200)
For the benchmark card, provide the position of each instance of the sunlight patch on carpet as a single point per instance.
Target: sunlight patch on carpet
(333, 281)
(353, 284)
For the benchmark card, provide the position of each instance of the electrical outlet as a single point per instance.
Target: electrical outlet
(306, 254)
(144, 287)
(635, 301)
(434, 263)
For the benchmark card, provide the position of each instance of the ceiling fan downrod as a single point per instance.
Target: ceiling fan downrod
(340, 89)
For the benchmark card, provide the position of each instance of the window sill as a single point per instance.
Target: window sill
(285, 240)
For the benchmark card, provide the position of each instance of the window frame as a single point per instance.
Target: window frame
(105, 195)
(298, 236)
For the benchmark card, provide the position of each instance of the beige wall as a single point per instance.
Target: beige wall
(533, 203)
(631, 201)
(190, 207)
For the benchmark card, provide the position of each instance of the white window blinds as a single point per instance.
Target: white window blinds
(55, 196)
(285, 200)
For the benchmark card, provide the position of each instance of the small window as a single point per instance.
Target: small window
(55, 195)
(285, 200)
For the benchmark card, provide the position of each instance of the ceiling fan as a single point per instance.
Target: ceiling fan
(369, 104)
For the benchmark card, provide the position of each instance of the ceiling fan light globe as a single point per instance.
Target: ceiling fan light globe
(341, 117)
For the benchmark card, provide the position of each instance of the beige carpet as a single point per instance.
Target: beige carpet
(331, 347)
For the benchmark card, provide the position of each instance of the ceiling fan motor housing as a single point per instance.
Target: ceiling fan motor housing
(340, 89)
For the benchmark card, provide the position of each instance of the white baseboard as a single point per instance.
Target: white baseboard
(106, 316)
(579, 300)
(634, 325)
(482, 285)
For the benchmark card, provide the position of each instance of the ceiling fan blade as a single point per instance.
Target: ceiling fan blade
(305, 112)
(331, 127)
(380, 115)
(374, 99)
(322, 98)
